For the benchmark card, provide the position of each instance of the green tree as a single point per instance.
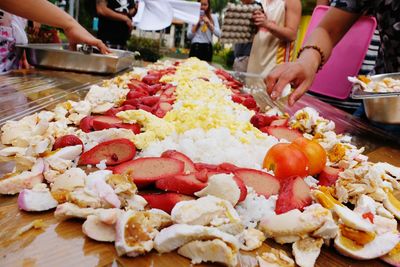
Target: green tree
(219, 5)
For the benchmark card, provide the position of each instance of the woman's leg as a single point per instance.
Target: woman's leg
(208, 52)
(194, 50)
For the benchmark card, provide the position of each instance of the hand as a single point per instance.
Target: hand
(132, 11)
(36, 27)
(77, 34)
(128, 22)
(206, 20)
(260, 19)
(23, 62)
(299, 74)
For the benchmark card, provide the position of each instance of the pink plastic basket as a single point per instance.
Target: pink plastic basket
(346, 58)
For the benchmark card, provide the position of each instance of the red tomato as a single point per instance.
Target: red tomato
(286, 160)
(314, 152)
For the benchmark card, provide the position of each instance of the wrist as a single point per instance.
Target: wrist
(269, 24)
(311, 59)
(126, 19)
(69, 24)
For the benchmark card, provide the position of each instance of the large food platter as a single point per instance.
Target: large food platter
(58, 242)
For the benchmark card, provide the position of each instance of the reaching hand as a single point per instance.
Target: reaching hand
(299, 74)
(76, 34)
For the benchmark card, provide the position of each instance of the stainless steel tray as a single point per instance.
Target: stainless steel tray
(57, 56)
(359, 93)
(380, 107)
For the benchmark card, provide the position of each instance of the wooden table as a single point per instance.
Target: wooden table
(63, 244)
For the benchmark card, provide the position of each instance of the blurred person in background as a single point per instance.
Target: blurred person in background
(201, 33)
(277, 24)
(242, 50)
(12, 32)
(115, 21)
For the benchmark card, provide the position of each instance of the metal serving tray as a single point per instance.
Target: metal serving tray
(380, 107)
(58, 56)
(359, 93)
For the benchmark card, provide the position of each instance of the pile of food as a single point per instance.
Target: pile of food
(176, 157)
(385, 85)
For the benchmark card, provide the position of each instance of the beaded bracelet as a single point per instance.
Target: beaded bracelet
(316, 48)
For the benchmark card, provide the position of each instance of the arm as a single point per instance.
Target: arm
(301, 73)
(133, 10)
(192, 29)
(292, 21)
(288, 32)
(214, 26)
(53, 16)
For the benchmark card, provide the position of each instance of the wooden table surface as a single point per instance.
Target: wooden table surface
(63, 243)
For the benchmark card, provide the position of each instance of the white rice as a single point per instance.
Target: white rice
(255, 207)
(214, 147)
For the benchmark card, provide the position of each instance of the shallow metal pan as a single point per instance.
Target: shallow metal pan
(58, 56)
(380, 107)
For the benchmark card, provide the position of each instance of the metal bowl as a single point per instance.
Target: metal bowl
(380, 107)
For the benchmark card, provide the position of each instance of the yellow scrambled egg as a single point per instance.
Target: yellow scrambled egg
(206, 105)
(199, 104)
(153, 128)
(189, 70)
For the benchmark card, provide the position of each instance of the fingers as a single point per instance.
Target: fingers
(273, 77)
(102, 47)
(258, 12)
(284, 79)
(298, 93)
(259, 19)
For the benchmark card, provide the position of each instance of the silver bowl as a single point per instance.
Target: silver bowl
(380, 107)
